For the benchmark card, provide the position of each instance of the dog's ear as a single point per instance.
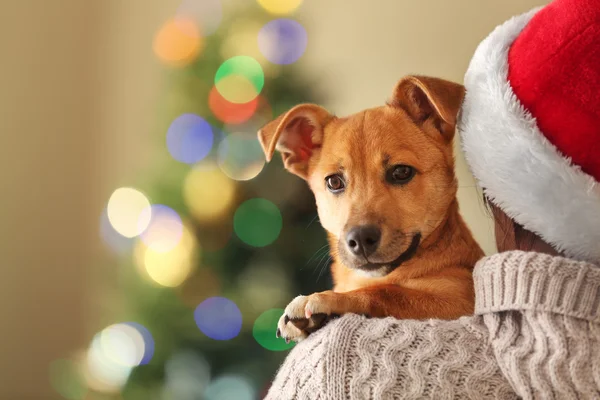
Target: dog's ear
(430, 102)
(296, 135)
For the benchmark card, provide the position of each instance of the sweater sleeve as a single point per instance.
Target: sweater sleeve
(543, 316)
(358, 358)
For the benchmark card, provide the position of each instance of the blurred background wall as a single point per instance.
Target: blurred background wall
(79, 89)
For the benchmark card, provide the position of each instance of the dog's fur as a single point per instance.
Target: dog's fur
(422, 267)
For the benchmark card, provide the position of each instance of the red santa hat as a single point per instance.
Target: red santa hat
(530, 123)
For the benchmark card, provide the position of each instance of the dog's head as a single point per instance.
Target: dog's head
(383, 178)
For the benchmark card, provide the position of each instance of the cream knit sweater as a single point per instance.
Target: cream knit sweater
(535, 335)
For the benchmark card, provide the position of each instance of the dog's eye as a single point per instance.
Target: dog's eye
(400, 174)
(335, 183)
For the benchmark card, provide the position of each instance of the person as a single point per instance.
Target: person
(530, 130)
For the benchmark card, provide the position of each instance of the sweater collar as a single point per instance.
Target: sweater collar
(518, 280)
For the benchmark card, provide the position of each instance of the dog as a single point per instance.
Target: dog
(385, 189)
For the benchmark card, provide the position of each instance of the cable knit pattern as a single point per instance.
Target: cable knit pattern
(535, 335)
(543, 316)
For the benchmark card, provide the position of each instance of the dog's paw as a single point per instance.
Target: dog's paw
(304, 315)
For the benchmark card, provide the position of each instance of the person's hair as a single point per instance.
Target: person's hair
(524, 239)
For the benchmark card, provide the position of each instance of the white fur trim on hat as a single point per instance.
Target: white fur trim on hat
(518, 168)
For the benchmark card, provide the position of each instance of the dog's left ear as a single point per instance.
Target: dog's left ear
(296, 134)
(432, 103)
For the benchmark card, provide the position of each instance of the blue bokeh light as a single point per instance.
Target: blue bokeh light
(282, 41)
(148, 341)
(218, 318)
(189, 138)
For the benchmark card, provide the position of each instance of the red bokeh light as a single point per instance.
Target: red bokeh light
(230, 113)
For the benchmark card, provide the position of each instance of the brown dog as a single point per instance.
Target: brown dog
(385, 188)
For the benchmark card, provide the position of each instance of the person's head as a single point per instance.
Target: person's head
(530, 129)
(510, 235)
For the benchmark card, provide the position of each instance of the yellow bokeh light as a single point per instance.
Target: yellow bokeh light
(102, 372)
(241, 40)
(178, 42)
(208, 193)
(123, 344)
(128, 212)
(280, 7)
(236, 89)
(170, 268)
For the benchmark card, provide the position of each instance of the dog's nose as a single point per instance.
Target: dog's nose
(363, 239)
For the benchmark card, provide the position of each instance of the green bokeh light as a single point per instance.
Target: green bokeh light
(257, 222)
(245, 66)
(264, 331)
(67, 380)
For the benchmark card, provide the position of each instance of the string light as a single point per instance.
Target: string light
(264, 330)
(230, 387)
(228, 112)
(282, 41)
(218, 318)
(208, 193)
(178, 42)
(168, 268)
(189, 138)
(240, 79)
(280, 7)
(128, 211)
(164, 230)
(257, 222)
(240, 156)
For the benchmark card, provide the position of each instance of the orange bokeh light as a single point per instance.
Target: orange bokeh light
(178, 42)
(228, 112)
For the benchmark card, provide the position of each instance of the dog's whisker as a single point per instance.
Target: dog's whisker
(315, 255)
(322, 257)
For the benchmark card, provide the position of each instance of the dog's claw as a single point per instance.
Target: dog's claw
(278, 333)
(286, 319)
(287, 340)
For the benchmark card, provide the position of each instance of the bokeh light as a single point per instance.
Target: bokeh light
(187, 374)
(228, 387)
(241, 39)
(170, 268)
(240, 79)
(164, 230)
(116, 242)
(148, 342)
(257, 222)
(207, 14)
(231, 113)
(282, 41)
(178, 42)
(111, 356)
(261, 117)
(128, 211)
(264, 330)
(208, 192)
(123, 344)
(189, 138)
(218, 318)
(280, 7)
(240, 156)
(67, 380)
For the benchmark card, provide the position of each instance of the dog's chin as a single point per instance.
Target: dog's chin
(374, 269)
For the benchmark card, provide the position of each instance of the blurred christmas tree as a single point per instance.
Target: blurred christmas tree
(213, 243)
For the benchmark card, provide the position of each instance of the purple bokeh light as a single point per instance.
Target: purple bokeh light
(218, 318)
(189, 138)
(282, 41)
